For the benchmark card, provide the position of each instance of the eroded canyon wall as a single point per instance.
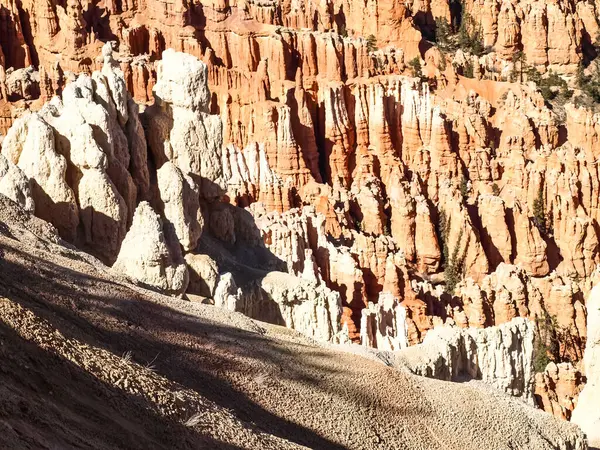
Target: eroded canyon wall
(373, 189)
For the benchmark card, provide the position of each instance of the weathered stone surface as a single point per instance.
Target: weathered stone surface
(84, 134)
(501, 356)
(146, 255)
(181, 208)
(557, 389)
(15, 185)
(304, 306)
(204, 275)
(179, 127)
(347, 162)
(22, 84)
(30, 145)
(383, 325)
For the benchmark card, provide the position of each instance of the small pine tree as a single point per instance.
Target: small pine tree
(387, 229)
(590, 84)
(539, 211)
(343, 31)
(442, 64)
(452, 263)
(596, 43)
(470, 35)
(477, 42)
(495, 190)
(540, 356)
(371, 43)
(453, 269)
(464, 187)
(493, 148)
(415, 67)
(443, 229)
(358, 225)
(442, 32)
(533, 74)
(464, 39)
(546, 341)
(468, 70)
(580, 78)
(519, 66)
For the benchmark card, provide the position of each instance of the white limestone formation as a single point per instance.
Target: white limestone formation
(227, 295)
(77, 152)
(312, 309)
(84, 134)
(501, 356)
(30, 145)
(180, 128)
(204, 275)
(146, 255)
(15, 185)
(383, 325)
(181, 208)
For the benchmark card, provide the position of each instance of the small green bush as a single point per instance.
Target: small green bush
(443, 32)
(546, 341)
(464, 188)
(454, 266)
(539, 212)
(415, 67)
(452, 263)
(343, 30)
(468, 70)
(371, 43)
(470, 35)
(589, 84)
(519, 66)
(442, 63)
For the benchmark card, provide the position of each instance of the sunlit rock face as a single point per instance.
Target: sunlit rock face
(498, 355)
(370, 188)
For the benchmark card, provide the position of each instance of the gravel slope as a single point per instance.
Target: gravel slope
(88, 360)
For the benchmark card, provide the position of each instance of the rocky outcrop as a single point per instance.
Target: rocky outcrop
(103, 207)
(30, 145)
(181, 208)
(557, 389)
(147, 256)
(22, 84)
(383, 325)
(204, 275)
(358, 177)
(501, 356)
(311, 309)
(15, 185)
(551, 35)
(284, 299)
(586, 413)
(77, 151)
(179, 127)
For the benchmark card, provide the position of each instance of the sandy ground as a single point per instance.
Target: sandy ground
(88, 360)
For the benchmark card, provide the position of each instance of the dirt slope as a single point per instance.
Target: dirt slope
(88, 360)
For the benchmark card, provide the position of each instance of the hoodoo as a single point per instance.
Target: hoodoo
(274, 224)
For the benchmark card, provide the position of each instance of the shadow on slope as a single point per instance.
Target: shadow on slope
(47, 401)
(200, 354)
